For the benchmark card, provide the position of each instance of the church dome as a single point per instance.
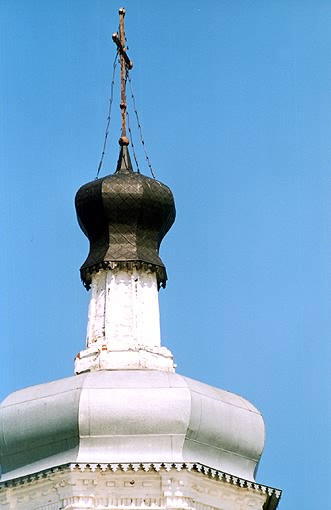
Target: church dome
(129, 416)
(125, 217)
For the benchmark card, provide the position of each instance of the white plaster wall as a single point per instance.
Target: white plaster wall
(124, 310)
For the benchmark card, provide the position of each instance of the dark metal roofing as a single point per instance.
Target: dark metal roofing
(125, 217)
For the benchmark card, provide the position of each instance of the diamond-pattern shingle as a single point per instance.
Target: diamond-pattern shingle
(125, 217)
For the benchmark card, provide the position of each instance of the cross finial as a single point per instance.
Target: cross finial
(126, 64)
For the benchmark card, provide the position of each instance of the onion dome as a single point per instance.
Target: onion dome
(125, 217)
(128, 416)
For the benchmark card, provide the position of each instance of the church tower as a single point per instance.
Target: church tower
(127, 432)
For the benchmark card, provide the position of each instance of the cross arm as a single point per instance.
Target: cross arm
(122, 51)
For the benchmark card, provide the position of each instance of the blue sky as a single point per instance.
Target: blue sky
(234, 102)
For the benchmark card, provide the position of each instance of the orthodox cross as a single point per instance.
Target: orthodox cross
(126, 65)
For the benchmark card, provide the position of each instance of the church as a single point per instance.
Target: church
(127, 431)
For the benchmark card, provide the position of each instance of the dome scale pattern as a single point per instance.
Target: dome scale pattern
(125, 217)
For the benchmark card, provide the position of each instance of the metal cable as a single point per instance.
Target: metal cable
(139, 127)
(131, 140)
(108, 118)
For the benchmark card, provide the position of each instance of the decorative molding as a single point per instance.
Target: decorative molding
(88, 272)
(50, 506)
(135, 486)
(146, 467)
(101, 502)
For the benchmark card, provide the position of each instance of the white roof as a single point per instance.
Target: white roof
(128, 416)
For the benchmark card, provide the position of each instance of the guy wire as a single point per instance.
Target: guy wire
(109, 113)
(131, 140)
(139, 128)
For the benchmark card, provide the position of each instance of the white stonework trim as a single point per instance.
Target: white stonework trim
(146, 467)
(135, 487)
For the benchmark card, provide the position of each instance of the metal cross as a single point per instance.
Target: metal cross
(126, 64)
